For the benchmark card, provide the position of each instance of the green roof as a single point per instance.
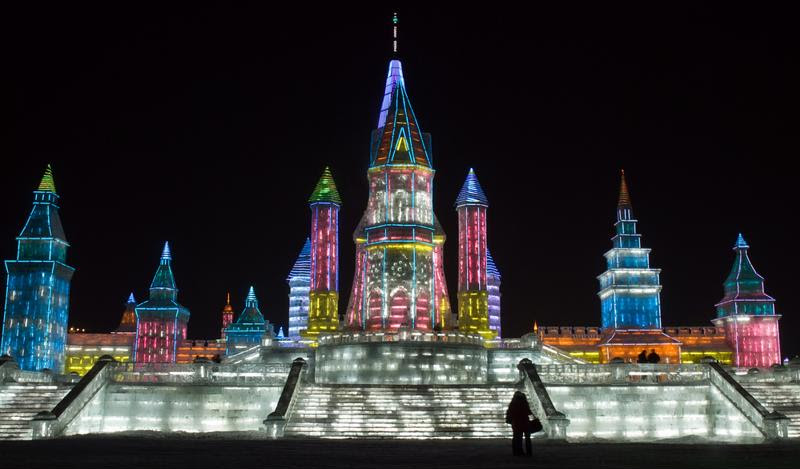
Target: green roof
(325, 190)
(47, 184)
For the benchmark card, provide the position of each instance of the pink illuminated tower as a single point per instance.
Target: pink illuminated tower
(323, 296)
(399, 278)
(160, 321)
(473, 293)
(748, 314)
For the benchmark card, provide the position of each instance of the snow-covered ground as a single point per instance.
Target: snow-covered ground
(144, 450)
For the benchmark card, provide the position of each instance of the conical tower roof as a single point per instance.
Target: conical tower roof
(471, 192)
(251, 316)
(325, 190)
(624, 196)
(302, 265)
(164, 280)
(128, 322)
(491, 268)
(47, 183)
(399, 138)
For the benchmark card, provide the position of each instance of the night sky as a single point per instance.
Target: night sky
(210, 127)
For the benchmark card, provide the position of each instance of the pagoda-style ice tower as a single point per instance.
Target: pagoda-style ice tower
(748, 314)
(323, 295)
(160, 321)
(399, 279)
(299, 281)
(37, 288)
(630, 289)
(473, 289)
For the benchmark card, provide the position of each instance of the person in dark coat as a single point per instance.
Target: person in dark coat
(642, 357)
(517, 415)
(653, 357)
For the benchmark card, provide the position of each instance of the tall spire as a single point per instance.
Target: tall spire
(47, 183)
(471, 192)
(131, 299)
(166, 255)
(251, 300)
(624, 196)
(395, 22)
(325, 190)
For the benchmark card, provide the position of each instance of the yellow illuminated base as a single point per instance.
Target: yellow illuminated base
(83, 361)
(323, 314)
(473, 313)
(724, 357)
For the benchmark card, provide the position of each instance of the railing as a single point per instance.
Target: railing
(560, 355)
(773, 425)
(623, 373)
(275, 423)
(10, 372)
(402, 335)
(776, 374)
(554, 422)
(269, 374)
(49, 424)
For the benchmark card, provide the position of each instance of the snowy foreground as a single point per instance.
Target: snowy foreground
(224, 450)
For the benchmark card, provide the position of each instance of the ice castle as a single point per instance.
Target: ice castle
(398, 362)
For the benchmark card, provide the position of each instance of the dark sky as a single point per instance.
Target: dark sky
(209, 128)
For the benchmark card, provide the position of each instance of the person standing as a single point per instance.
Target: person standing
(517, 415)
(642, 358)
(653, 357)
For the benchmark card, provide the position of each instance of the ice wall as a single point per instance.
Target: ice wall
(648, 412)
(180, 408)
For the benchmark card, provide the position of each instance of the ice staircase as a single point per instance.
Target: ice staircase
(784, 398)
(19, 402)
(401, 411)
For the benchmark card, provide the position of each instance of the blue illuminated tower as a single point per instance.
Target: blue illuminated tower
(493, 280)
(37, 287)
(629, 290)
(249, 328)
(160, 321)
(299, 281)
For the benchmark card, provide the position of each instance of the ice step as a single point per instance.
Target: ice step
(780, 397)
(377, 411)
(19, 403)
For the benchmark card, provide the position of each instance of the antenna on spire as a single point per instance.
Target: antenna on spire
(394, 33)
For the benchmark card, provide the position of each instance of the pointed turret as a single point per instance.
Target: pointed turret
(471, 192)
(250, 327)
(744, 287)
(748, 314)
(325, 190)
(398, 138)
(38, 286)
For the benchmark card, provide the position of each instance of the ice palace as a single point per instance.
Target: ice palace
(397, 362)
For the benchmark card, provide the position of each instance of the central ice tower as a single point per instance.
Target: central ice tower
(399, 279)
